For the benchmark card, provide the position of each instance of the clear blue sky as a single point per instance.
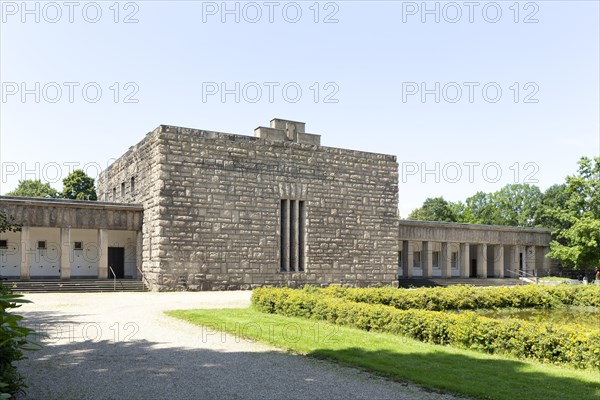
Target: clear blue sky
(376, 60)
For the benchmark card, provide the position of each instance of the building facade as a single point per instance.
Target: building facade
(188, 209)
(225, 211)
(70, 240)
(451, 250)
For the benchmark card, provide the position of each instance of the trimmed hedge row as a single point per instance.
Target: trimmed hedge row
(529, 340)
(472, 298)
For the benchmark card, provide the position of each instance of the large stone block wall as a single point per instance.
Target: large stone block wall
(212, 201)
(143, 163)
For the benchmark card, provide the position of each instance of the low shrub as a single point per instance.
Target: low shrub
(13, 343)
(472, 298)
(528, 340)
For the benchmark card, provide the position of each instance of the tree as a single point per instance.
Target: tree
(434, 209)
(479, 209)
(578, 245)
(554, 199)
(8, 224)
(517, 205)
(34, 188)
(512, 205)
(79, 186)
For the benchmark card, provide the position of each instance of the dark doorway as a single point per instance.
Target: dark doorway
(473, 268)
(521, 264)
(116, 261)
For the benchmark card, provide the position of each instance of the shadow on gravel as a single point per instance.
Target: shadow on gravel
(86, 367)
(483, 376)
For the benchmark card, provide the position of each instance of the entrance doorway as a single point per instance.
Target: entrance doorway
(473, 268)
(116, 261)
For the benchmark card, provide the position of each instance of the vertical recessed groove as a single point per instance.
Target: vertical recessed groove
(302, 235)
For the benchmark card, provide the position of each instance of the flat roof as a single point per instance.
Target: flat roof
(68, 203)
(461, 225)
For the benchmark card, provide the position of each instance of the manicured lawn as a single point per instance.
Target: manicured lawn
(431, 366)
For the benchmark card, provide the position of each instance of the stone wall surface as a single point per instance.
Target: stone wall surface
(73, 214)
(143, 163)
(212, 205)
(472, 233)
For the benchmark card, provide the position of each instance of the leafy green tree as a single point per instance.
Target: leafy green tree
(517, 205)
(479, 209)
(7, 223)
(578, 245)
(554, 200)
(434, 209)
(79, 186)
(34, 188)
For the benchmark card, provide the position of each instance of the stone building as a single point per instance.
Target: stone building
(65, 239)
(188, 209)
(451, 250)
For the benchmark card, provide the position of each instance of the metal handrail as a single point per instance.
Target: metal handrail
(114, 278)
(523, 274)
(143, 276)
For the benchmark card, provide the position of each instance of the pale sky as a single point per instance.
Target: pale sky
(469, 96)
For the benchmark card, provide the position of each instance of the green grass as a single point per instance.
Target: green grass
(434, 367)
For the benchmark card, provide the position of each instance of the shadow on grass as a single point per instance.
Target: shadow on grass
(450, 372)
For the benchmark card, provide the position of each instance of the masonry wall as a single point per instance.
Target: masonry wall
(212, 210)
(142, 163)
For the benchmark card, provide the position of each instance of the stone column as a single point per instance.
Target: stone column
(65, 253)
(530, 261)
(139, 246)
(407, 255)
(481, 260)
(427, 259)
(25, 244)
(465, 260)
(446, 260)
(546, 261)
(102, 254)
(514, 261)
(499, 261)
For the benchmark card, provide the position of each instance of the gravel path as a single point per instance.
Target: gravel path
(122, 346)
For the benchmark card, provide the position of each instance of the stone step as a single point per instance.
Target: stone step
(76, 286)
(433, 282)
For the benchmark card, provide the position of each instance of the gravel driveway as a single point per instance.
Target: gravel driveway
(122, 346)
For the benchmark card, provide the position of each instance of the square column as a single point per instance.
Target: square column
(465, 260)
(547, 266)
(25, 262)
(513, 261)
(102, 254)
(530, 266)
(446, 260)
(65, 253)
(427, 255)
(138, 254)
(407, 255)
(498, 261)
(481, 260)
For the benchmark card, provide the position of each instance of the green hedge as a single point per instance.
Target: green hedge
(472, 298)
(529, 340)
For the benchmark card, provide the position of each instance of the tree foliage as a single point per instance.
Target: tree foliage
(514, 205)
(34, 188)
(434, 209)
(571, 210)
(7, 223)
(79, 186)
(578, 230)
